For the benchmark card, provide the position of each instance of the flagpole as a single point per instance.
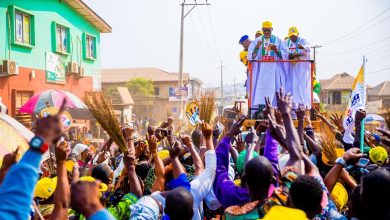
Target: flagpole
(362, 123)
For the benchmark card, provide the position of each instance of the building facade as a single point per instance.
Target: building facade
(48, 44)
(158, 106)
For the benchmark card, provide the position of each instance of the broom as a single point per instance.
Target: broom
(207, 106)
(328, 143)
(104, 114)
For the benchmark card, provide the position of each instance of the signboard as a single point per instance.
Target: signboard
(178, 94)
(55, 69)
(66, 119)
(192, 113)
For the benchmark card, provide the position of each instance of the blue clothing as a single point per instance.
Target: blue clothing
(180, 181)
(17, 189)
(101, 215)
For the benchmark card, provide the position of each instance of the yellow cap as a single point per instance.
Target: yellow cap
(69, 164)
(339, 195)
(378, 155)
(102, 187)
(267, 24)
(45, 187)
(259, 32)
(339, 153)
(163, 154)
(293, 31)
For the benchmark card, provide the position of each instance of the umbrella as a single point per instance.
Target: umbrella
(374, 117)
(12, 135)
(54, 98)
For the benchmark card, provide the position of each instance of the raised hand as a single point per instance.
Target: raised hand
(128, 133)
(152, 143)
(251, 137)
(207, 130)
(338, 121)
(301, 113)
(277, 131)
(269, 110)
(50, 128)
(240, 143)
(61, 151)
(235, 129)
(360, 115)
(186, 139)
(284, 102)
(175, 150)
(352, 155)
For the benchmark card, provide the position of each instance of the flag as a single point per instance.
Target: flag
(356, 101)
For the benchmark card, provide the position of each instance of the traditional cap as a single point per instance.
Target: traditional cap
(102, 186)
(45, 187)
(69, 164)
(293, 31)
(378, 155)
(259, 32)
(339, 195)
(267, 24)
(243, 38)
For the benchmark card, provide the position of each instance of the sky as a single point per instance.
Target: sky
(146, 33)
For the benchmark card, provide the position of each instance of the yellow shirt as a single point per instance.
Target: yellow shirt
(244, 57)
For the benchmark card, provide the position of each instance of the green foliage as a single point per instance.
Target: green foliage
(112, 91)
(140, 87)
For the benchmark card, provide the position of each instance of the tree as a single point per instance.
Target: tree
(140, 87)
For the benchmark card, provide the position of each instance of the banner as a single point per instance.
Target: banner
(178, 94)
(356, 101)
(55, 69)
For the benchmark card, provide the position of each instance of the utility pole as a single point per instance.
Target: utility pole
(234, 88)
(221, 67)
(181, 51)
(314, 57)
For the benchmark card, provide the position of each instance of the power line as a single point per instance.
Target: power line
(376, 71)
(201, 44)
(212, 31)
(357, 49)
(358, 28)
(204, 33)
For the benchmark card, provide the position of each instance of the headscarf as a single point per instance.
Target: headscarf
(79, 148)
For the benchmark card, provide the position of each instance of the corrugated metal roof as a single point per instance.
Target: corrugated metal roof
(125, 96)
(89, 15)
(342, 81)
(120, 75)
(382, 89)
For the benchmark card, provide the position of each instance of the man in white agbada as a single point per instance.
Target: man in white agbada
(267, 77)
(298, 81)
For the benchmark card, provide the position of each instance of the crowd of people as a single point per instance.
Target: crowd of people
(273, 171)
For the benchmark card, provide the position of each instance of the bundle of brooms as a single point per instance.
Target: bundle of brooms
(328, 143)
(207, 106)
(102, 110)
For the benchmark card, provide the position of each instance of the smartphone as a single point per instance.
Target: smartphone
(363, 162)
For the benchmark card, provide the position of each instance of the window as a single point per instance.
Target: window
(89, 46)
(21, 97)
(156, 91)
(22, 27)
(336, 98)
(62, 38)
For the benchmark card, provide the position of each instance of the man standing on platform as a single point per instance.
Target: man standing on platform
(298, 81)
(268, 76)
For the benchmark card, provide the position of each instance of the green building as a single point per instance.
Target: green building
(46, 44)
